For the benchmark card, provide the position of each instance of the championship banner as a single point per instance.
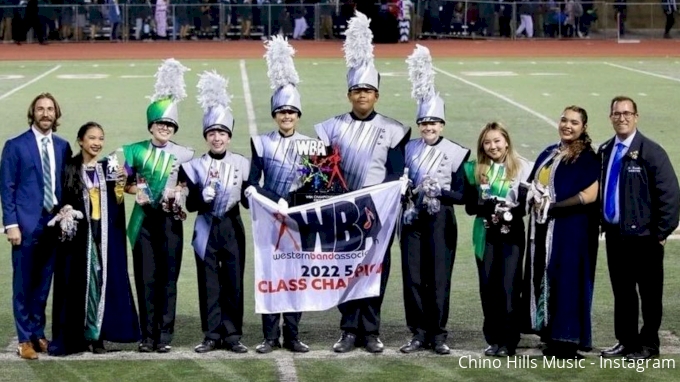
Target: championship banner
(318, 255)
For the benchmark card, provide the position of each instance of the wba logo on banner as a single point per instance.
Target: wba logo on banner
(316, 256)
(310, 147)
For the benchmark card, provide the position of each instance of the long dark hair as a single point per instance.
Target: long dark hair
(73, 181)
(583, 142)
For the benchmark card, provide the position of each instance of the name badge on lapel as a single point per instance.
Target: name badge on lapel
(634, 169)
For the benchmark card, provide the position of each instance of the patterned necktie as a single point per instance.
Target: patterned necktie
(612, 182)
(47, 176)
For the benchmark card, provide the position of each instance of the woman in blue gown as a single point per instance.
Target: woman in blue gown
(562, 239)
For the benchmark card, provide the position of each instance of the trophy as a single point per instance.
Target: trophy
(115, 161)
(174, 198)
(143, 195)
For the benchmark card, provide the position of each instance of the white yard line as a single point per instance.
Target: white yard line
(500, 96)
(285, 366)
(25, 84)
(642, 72)
(250, 110)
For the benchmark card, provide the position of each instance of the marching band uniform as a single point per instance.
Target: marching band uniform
(275, 159)
(429, 232)
(216, 183)
(372, 152)
(154, 231)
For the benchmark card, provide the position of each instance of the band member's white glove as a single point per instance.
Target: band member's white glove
(208, 194)
(405, 183)
(249, 191)
(283, 204)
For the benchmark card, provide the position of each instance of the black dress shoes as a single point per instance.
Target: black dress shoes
(206, 346)
(98, 347)
(145, 346)
(267, 346)
(345, 343)
(491, 350)
(441, 348)
(618, 350)
(374, 345)
(296, 346)
(645, 353)
(504, 351)
(235, 347)
(412, 346)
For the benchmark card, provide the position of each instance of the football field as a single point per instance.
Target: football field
(527, 94)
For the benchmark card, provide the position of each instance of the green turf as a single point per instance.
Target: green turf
(119, 104)
(475, 369)
(116, 371)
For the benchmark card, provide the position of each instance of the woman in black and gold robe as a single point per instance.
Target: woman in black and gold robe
(92, 294)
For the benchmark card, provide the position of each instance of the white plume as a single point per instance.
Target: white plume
(212, 91)
(170, 81)
(280, 66)
(358, 45)
(421, 73)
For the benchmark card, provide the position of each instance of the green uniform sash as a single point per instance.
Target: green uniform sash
(155, 166)
(498, 186)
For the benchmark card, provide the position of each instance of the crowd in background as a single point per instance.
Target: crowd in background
(392, 20)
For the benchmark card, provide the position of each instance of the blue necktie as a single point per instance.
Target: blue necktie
(612, 182)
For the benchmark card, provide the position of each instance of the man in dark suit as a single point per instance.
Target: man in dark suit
(641, 208)
(30, 187)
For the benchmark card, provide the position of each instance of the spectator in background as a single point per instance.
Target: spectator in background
(621, 10)
(589, 15)
(525, 9)
(205, 18)
(114, 19)
(285, 28)
(434, 8)
(6, 14)
(246, 13)
(139, 10)
(504, 10)
(161, 17)
(327, 10)
(31, 20)
(552, 23)
(184, 20)
(48, 16)
(487, 19)
(300, 21)
(66, 20)
(405, 10)
(472, 18)
(458, 19)
(266, 21)
(95, 17)
(81, 19)
(669, 8)
(573, 10)
(418, 17)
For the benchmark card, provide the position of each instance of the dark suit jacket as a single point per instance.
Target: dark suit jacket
(649, 195)
(21, 179)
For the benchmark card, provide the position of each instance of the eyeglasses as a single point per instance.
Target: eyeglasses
(624, 114)
(162, 126)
